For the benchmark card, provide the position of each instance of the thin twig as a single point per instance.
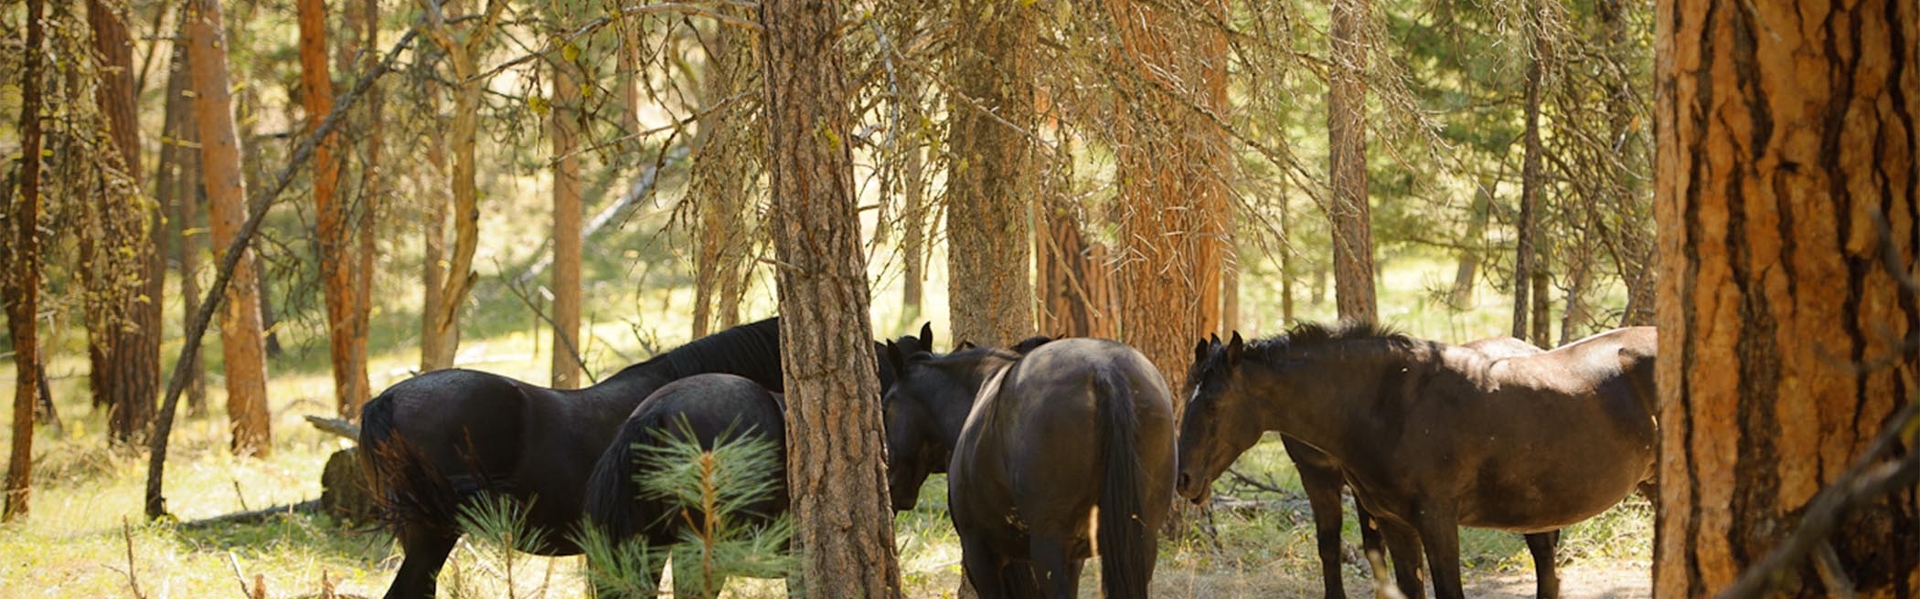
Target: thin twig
(603, 21)
(515, 287)
(126, 530)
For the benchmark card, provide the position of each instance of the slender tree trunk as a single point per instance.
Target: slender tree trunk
(123, 319)
(179, 191)
(1353, 291)
(462, 51)
(1783, 130)
(913, 222)
(1077, 298)
(436, 351)
(990, 181)
(837, 467)
(1287, 267)
(372, 190)
(242, 344)
(1542, 307)
(563, 123)
(21, 272)
(1574, 320)
(1526, 254)
(338, 269)
(723, 173)
(1173, 218)
(1467, 273)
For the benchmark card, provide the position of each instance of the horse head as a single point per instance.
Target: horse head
(1210, 440)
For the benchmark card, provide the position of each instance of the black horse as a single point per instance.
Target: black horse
(1322, 480)
(435, 441)
(1075, 425)
(712, 409)
(1433, 436)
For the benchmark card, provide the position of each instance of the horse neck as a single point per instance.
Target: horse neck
(1332, 413)
(620, 393)
(951, 416)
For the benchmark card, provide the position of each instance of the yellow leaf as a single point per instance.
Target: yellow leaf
(538, 105)
(571, 52)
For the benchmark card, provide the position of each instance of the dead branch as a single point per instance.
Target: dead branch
(335, 426)
(156, 506)
(126, 530)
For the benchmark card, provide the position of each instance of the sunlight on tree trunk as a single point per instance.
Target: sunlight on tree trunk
(338, 272)
(20, 272)
(1784, 131)
(372, 188)
(1527, 289)
(837, 469)
(462, 50)
(178, 191)
(724, 172)
(241, 341)
(1347, 162)
(990, 177)
(567, 369)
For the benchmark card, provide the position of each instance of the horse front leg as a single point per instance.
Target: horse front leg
(1322, 481)
(1541, 545)
(1404, 543)
(1439, 530)
(984, 568)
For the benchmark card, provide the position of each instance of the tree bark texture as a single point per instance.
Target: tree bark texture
(990, 177)
(20, 277)
(1076, 286)
(119, 258)
(834, 431)
(462, 49)
(1353, 292)
(178, 191)
(724, 172)
(338, 268)
(360, 323)
(1783, 129)
(1173, 192)
(568, 370)
(1526, 258)
(241, 342)
(433, 224)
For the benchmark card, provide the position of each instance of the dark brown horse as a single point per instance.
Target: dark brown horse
(435, 441)
(1075, 425)
(1433, 436)
(710, 409)
(1322, 480)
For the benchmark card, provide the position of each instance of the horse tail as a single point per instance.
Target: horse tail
(609, 501)
(1126, 554)
(408, 490)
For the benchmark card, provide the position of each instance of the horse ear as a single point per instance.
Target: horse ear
(926, 335)
(1214, 337)
(1234, 349)
(898, 359)
(1200, 351)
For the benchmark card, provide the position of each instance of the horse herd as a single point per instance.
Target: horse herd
(1057, 450)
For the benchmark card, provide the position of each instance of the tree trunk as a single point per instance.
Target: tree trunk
(1173, 218)
(837, 468)
(1353, 292)
(723, 175)
(1526, 256)
(990, 178)
(436, 350)
(462, 50)
(1542, 307)
(913, 219)
(242, 344)
(20, 272)
(1077, 291)
(123, 318)
(1466, 275)
(338, 269)
(372, 188)
(180, 193)
(568, 370)
(1573, 320)
(1783, 130)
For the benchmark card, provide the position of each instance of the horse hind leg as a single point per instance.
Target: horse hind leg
(1054, 569)
(1322, 483)
(426, 551)
(1541, 545)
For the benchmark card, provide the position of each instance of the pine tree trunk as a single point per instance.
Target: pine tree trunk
(1353, 292)
(179, 192)
(1782, 129)
(990, 178)
(1173, 217)
(436, 350)
(123, 331)
(1077, 296)
(1467, 273)
(723, 173)
(913, 221)
(462, 49)
(837, 469)
(567, 368)
(338, 269)
(242, 343)
(20, 272)
(1526, 256)
(372, 189)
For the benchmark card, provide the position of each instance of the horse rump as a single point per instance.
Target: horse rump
(409, 491)
(1126, 552)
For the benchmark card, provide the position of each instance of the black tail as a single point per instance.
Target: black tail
(609, 501)
(1126, 551)
(408, 490)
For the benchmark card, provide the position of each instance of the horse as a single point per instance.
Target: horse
(1033, 446)
(1322, 480)
(710, 409)
(1434, 436)
(437, 441)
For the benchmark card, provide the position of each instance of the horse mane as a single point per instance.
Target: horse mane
(1307, 335)
(751, 350)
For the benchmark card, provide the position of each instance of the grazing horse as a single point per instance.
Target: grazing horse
(1434, 436)
(1321, 479)
(436, 441)
(1033, 446)
(711, 409)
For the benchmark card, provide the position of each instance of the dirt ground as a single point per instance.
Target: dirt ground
(1577, 581)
